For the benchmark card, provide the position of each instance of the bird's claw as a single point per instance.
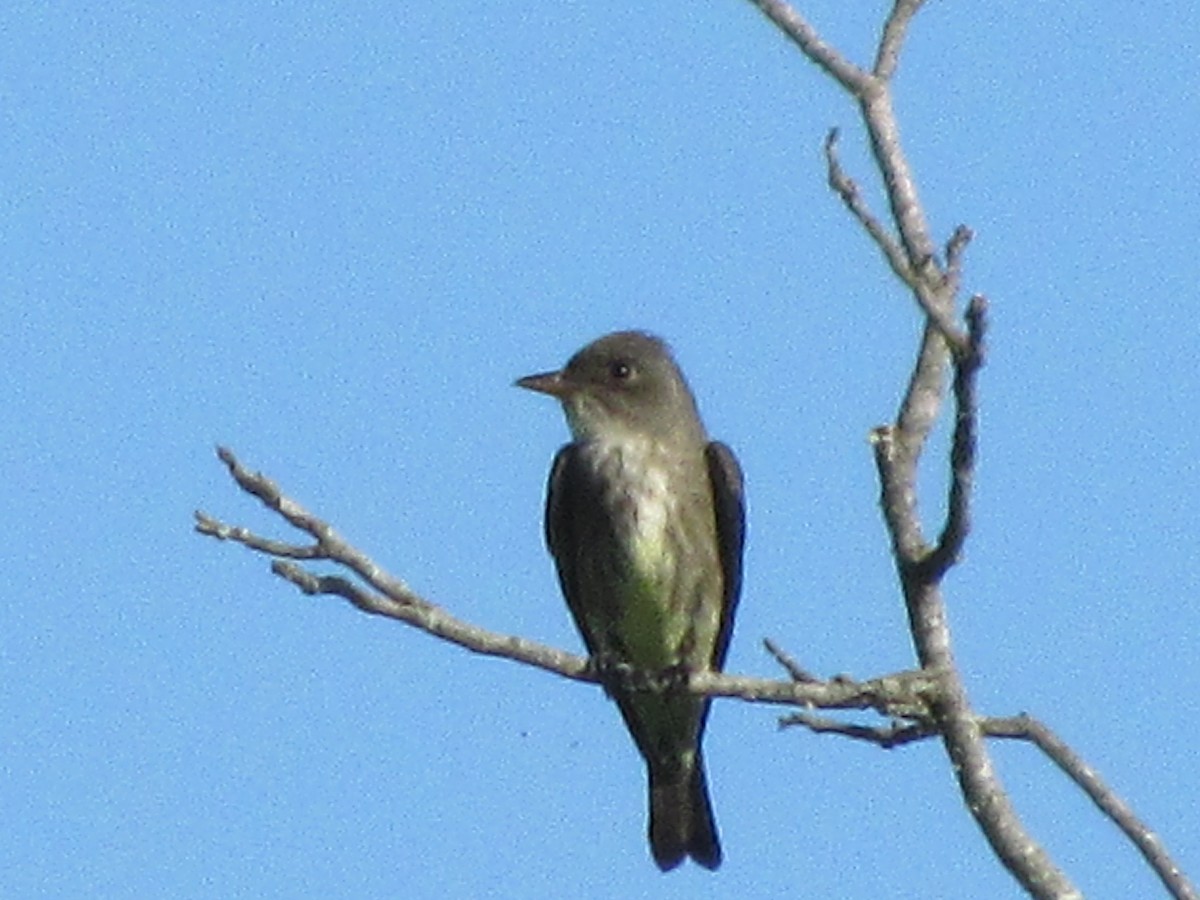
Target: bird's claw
(616, 675)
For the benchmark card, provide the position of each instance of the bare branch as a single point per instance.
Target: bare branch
(897, 734)
(207, 525)
(955, 249)
(844, 186)
(1023, 727)
(796, 27)
(894, 31)
(903, 694)
(988, 801)
(898, 496)
(962, 450)
(912, 259)
(793, 668)
(1149, 844)
(898, 449)
(330, 545)
(437, 622)
(901, 187)
(900, 694)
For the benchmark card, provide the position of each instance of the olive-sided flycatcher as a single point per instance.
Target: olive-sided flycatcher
(645, 521)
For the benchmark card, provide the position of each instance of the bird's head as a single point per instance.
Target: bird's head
(625, 383)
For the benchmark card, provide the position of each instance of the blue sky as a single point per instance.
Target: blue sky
(331, 235)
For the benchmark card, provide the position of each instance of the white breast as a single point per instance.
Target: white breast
(646, 504)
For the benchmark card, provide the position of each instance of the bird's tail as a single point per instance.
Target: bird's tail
(681, 817)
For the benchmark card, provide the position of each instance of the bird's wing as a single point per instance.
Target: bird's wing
(566, 494)
(729, 506)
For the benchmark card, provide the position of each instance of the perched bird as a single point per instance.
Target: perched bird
(645, 520)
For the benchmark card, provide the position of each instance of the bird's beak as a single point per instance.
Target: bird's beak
(552, 383)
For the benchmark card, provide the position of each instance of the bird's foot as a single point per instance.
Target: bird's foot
(674, 678)
(615, 675)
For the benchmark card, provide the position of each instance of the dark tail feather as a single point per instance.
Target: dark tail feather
(681, 819)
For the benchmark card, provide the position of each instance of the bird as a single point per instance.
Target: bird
(645, 521)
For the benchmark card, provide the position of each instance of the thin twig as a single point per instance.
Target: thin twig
(330, 544)
(207, 525)
(889, 737)
(793, 668)
(844, 186)
(894, 31)
(805, 36)
(1149, 844)
(436, 621)
(847, 189)
(955, 249)
(963, 445)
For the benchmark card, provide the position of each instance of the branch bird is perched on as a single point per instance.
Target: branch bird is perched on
(645, 521)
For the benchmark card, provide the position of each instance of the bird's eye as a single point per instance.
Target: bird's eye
(620, 370)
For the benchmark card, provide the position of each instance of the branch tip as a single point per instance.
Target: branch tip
(795, 671)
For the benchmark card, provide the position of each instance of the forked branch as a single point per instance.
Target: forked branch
(934, 284)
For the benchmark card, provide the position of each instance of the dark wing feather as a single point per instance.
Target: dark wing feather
(566, 494)
(729, 505)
